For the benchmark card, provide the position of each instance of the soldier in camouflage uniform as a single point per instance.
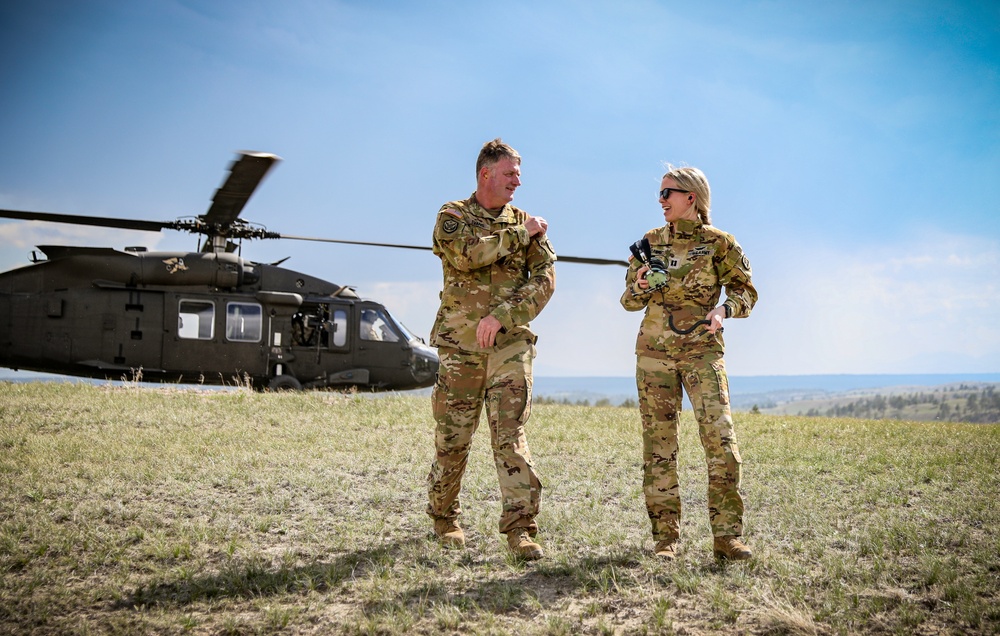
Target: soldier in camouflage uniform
(700, 260)
(499, 272)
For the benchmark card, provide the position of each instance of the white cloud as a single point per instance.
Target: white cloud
(19, 238)
(413, 303)
(584, 331)
(919, 305)
(927, 305)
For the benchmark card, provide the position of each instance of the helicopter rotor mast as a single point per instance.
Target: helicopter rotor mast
(222, 221)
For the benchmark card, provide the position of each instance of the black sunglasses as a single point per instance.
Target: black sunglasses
(665, 192)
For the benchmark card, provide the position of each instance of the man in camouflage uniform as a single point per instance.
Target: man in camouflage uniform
(499, 272)
(699, 260)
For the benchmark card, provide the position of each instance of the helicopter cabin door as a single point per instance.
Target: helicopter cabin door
(131, 334)
(214, 339)
(319, 347)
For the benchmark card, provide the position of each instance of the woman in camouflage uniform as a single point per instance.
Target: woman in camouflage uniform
(680, 346)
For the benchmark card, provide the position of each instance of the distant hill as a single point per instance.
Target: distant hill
(755, 389)
(954, 396)
(966, 397)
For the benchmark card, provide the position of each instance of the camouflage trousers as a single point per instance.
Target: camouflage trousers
(660, 382)
(502, 381)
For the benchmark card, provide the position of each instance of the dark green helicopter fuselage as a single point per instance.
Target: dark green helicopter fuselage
(200, 317)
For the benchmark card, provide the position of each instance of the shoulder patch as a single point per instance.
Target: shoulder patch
(449, 226)
(452, 211)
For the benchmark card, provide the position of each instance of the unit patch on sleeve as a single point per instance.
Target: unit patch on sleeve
(449, 226)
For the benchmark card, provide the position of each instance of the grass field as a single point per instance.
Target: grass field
(163, 511)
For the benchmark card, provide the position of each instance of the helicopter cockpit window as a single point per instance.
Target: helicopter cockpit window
(243, 322)
(196, 319)
(375, 325)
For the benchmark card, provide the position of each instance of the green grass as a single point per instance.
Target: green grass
(135, 510)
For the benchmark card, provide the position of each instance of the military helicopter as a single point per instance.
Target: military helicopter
(206, 317)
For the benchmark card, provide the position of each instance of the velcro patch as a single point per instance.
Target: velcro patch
(452, 211)
(449, 225)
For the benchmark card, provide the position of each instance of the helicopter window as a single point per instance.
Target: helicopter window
(196, 319)
(339, 328)
(243, 322)
(375, 325)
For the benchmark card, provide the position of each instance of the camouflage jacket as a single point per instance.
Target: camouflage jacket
(491, 267)
(700, 260)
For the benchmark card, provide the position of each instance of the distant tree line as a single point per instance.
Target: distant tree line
(962, 404)
(541, 399)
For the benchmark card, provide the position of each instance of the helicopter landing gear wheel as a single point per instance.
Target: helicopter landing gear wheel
(284, 383)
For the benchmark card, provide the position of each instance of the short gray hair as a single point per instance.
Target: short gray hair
(494, 151)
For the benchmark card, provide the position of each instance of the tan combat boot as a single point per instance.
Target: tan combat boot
(666, 549)
(449, 533)
(520, 543)
(730, 547)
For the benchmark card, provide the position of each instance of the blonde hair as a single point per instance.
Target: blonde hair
(694, 180)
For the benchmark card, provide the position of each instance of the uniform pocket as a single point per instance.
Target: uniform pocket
(526, 413)
(439, 398)
(722, 380)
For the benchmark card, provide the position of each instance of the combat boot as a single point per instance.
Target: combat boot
(730, 547)
(449, 533)
(520, 543)
(666, 549)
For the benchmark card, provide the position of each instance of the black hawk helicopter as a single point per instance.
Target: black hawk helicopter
(206, 317)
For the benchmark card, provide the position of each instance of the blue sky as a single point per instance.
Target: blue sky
(853, 150)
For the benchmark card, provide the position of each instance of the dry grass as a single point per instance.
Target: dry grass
(133, 510)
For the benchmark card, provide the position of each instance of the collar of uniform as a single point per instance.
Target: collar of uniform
(503, 215)
(686, 227)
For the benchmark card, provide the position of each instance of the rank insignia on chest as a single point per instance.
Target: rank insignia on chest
(673, 263)
(449, 225)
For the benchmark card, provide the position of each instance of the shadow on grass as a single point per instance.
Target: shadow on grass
(370, 580)
(256, 577)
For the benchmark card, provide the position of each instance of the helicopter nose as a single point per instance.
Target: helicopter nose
(424, 367)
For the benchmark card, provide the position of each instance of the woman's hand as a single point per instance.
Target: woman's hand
(715, 318)
(640, 277)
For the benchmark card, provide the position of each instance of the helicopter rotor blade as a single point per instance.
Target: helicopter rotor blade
(564, 259)
(245, 174)
(592, 261)
(343, 242)
(123, 224)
